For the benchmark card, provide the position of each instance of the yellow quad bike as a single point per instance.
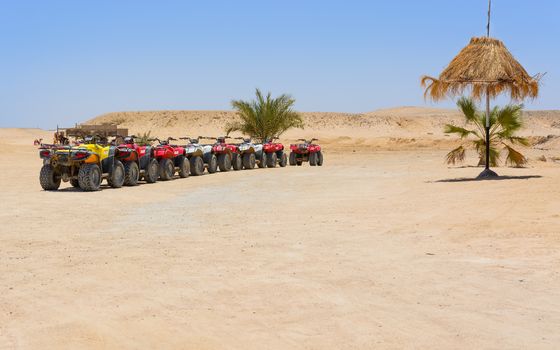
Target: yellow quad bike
(85, 166)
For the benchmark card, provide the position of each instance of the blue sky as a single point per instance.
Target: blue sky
(67, 61)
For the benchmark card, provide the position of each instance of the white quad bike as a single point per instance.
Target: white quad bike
(195, 153)
(251, 153)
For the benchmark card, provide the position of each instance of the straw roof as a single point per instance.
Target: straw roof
(485, 65)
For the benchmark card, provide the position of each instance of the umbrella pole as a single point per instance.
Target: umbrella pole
(487, 172)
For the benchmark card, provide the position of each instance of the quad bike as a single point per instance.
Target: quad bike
(138, 162)
(274, 153)
(226, 154)
(85, 165)
(247, 153)
(194, 151)
(171, 159)
(306, 152)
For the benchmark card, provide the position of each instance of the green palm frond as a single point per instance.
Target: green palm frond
(453, 129)
(265, 117)
(505, 122)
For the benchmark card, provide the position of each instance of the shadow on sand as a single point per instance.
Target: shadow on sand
(498, 178)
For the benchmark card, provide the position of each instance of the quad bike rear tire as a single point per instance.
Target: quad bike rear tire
(151, 172)
(249, 161)
(48, 178)
(283, 160)
(262, 162)
(271, 160)
(319, 158)
(117, 176)
(224, 162)
(213, 164)
(131, 174)
(166, 169)
(197, 166)
(313, 159)
(89, 177)
(75, 183)
(292, 158)
(184, 167)
(237, 162)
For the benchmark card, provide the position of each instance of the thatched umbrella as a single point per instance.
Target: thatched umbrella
(487, 69)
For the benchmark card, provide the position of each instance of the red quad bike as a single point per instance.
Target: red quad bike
(194, 151)
(274, 153)
(227, 154)
(306, 152)
(138, 162)
(171, 158)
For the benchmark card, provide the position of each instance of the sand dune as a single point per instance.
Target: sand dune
(386, 129)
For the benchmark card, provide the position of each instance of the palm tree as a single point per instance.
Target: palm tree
(504, 123)
(265, 117)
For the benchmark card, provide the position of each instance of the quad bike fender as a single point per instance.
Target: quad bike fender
(93, 158)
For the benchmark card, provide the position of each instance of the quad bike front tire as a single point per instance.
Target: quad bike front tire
(237, 162)
(75, 183)
(292, 158)
(131, 174)
(89, 177)
(283, 160)
(313, 159)
(48, 178)
(224, 162)
(197, 166)
(319, 158)
(262, 162)
(117, 177)
(249, 161)
(271, 160)
(184, 167)
(213, 164)
(151, 172)
(166, 169)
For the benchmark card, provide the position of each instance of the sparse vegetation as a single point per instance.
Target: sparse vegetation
(504, 124)
(265, 117)
(143, 139)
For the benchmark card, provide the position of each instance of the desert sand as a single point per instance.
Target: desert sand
(385, 246)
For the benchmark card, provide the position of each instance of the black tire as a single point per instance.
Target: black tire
(197, 166)
(224, 162)
(249, 161)
(184, 167)
(48, 178)
(213, 164)
(262, 162)
(271, 160)
(237, 162)
(283, 160)
(89, 177)
(166, 169)
(151, 172)
(131, 174)
(313, 159)
(117, 176)
(293, 158)
(319, 158)
(75, 183)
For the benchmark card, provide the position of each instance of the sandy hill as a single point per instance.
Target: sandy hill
(403, 127)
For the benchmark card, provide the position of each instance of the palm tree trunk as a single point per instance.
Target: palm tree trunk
(487, 172)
